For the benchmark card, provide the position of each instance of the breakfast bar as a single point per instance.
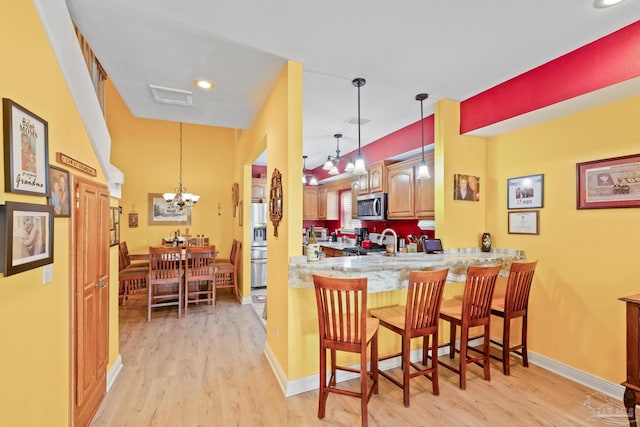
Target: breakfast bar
(389, 273)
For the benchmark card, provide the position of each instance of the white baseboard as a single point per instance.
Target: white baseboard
(246, 300)
(114, 372)
(312, 382)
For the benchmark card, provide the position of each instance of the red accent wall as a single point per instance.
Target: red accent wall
(604, 62)
(258, 171)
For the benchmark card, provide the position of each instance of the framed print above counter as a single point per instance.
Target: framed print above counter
(525, 192)
(608, 183)
(524, 222)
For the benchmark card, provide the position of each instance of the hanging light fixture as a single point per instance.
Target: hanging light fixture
(359, 167)
(423, 170)
(181, 199)
(334, 170)
(304, 170)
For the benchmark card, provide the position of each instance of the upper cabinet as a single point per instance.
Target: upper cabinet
(310, 203)
(375, 181)
(409, 197)
(259, 190)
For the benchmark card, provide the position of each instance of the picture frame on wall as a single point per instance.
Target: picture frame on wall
(114, 225)
(466, 187)
(161, 213)
(608, 183)
(26, 150)
(525, 192)
(27, 236)
(59, 194)
(524, 222)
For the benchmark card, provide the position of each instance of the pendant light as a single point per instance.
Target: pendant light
(423, 170)
(334, 170)
(181, 199)
(359, 167)
(304, 170)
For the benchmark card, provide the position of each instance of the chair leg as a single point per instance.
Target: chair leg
(149, 297)
(406, 368)
(363, 387)
(525, 358)
(464, 334)
(485, 349)
(374, 362)
(452, 340)
(322, 396)
(506, 346)
(434, 363)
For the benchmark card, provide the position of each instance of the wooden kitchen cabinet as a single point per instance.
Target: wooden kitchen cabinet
(259, 190)
(375, 181)
(310, 203)
(331, 252)
(327, 203)
(425, 193)
(355, 192)
(409, 197)
(401, 190)
(322, 203)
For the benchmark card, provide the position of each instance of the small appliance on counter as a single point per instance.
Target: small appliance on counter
(362, 234)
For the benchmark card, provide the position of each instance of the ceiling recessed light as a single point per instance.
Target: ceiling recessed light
(203, 84)
(601, 4)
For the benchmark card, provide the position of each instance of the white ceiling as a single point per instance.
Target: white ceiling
(451, 49)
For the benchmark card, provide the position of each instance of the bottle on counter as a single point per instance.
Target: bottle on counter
(313, 247)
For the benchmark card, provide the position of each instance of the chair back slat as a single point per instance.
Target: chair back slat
(200, 263)
(341, 305)
(424, 298)
(165, 264)
(478, 292)
(519, 286)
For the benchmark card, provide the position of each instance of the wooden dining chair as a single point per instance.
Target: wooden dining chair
(474, 310)
(199, 277)
(344, 326)
(514, 304)
(164, 285)
(418, 318)
(227, 273)
(132, 277)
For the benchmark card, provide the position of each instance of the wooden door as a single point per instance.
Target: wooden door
(91, 279)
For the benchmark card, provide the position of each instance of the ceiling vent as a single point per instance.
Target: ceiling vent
(354, 121)
(167, 95)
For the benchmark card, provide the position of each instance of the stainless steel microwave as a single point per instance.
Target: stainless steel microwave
(372, 207)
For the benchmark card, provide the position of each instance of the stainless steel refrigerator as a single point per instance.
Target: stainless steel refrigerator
(258, 245)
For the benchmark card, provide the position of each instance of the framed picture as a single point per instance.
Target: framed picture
(27, 236)
(609, 183)
(524, 222)
(133, 220)
(161, 213)
(525, 192)
(59, 194)
(26, 150)
(114, 225)
(466, 187)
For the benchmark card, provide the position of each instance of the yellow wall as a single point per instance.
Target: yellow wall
(147, 152)
(278, 129)
(34, 318)
(587, 258)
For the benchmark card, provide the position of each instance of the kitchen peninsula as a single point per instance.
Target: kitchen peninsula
(390, 273)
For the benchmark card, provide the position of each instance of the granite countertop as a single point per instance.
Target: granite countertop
(392, 272)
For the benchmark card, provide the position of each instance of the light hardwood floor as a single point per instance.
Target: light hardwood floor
(209, 369)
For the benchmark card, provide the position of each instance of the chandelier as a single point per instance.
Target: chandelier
(181, 199)
(331, 164)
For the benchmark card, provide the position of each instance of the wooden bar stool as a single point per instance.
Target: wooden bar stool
(514, 304)
(344, 326)
(419, 318)
(474, 310)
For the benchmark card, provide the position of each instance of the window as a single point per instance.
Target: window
(346, 222)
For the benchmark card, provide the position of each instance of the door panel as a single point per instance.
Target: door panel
(92, 297)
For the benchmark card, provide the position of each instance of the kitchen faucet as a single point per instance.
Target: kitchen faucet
(395, 237)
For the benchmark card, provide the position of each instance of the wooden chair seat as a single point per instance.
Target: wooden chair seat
(514, 304)
(343, 326)
(418, 318)
(473, 311)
